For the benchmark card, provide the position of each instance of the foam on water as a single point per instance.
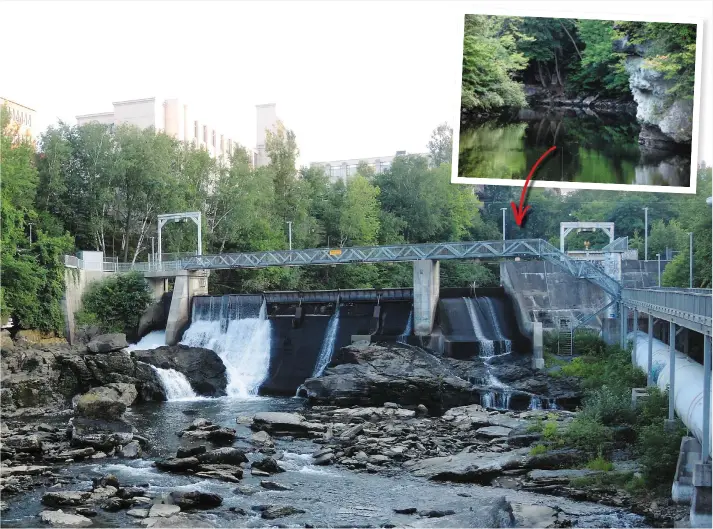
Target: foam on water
(152, 340)
(175, 384)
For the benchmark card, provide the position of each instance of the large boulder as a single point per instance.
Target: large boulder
(469, 467)
(202, 367)
(63, 519)
(196, 500)
(106, 343)
(102, 435)
(106, 402)
(373, 374)
(282, 423)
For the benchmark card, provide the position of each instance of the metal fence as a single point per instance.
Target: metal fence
(690, 308)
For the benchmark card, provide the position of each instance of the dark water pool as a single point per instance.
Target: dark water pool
(591, 147)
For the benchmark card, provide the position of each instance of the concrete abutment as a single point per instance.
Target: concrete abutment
(188, 283)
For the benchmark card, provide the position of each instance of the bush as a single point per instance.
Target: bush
(587, 433)
(658, 452)
(550, 431)
(600, 464)
(609, 406)
(538, 450)
(115, 304)
(653, 409)
(589, 343)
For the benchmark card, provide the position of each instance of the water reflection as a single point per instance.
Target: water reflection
(591, 147)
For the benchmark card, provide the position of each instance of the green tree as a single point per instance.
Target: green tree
(440, 146)
(359, 215)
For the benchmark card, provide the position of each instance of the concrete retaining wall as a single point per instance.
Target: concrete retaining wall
(76, 282)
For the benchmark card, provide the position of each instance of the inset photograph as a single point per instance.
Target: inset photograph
(617, 98)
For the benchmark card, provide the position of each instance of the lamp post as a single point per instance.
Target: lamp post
(30, 224)
(658, 256)
(503, 210)
(289, 228)
(690, 259)
(646, 234)
(153, 252)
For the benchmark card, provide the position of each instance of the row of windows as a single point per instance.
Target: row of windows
(213, 138)
(343, 171)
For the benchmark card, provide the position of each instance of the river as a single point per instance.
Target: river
(601, 148)
(331, 496)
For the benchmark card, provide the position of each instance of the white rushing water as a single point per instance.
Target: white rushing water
(327, 349)
(496, 325)
(175, 384)
(487, 347)
(152, 340)
(407, 331)
(244, 347)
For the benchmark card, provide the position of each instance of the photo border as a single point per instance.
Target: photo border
(695, 133)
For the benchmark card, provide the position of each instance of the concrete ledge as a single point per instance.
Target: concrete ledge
(688, 456)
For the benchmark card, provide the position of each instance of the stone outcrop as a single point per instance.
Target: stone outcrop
(372, 374)
(42, 378)
(202, 367)
(106, 343)
(664, 120)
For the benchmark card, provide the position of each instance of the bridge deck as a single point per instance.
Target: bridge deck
(689, 308)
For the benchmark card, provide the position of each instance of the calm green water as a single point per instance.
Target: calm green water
(595, 148)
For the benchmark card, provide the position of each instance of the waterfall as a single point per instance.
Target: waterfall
(535, 403)
(152, 340)
(496, 324)
(327, 349)
(175, 384)
(239, 331)
(407, 331)
(495, 399)
(487, 348)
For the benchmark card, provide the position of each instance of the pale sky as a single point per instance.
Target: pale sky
(351, 79)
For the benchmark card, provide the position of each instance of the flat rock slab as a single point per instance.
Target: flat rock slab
(469, 467)
(493, 431)
(65, 498)
(22, 470)
(138, 513)
(62, 519)
(163, 511)
(560, 476)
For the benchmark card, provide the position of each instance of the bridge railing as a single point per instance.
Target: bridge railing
(689, 308)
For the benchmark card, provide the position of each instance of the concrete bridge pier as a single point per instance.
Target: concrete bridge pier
(188, 283)
(426, 286)
(154, 315)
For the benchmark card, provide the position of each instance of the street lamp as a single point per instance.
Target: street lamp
(658, 256)
(289, 227)
(690, 259)
(503, 210)
(31, 224)
(646, 234)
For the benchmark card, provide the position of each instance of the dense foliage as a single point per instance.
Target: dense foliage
(607, 420)
(116, 303)
(32, 281)
(501, 54)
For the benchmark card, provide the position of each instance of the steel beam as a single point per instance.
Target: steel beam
(649, 357)
(706, 398)
(671, 368)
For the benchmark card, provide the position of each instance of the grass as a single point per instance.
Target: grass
(601, 464)
(538, 450)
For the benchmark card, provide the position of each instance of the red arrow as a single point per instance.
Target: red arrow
(517, 211)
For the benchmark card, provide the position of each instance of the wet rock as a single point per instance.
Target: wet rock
(245, 490)
(138, 513)
(421, 411)
(352, 432)
(78, 454)
(223, 456)
(555, 459)
(202, 367)
(325, 458)
(22, 470)
(162, 510)
(65, 498)
(562, 477)
(273, 512)
(434, 513)
(85, 511)
(131, 450)
(100, 434)
(107, 480)
(262, 438)
(180, 520)
(371, 374)
(269, 465)
(273, 485)
(99, 403)
(469, 467)
(492, 431)
(24, 443)
(102, 493)
(62, 519)
(116, 504)
(178, 464)
(128, 493)
(106, 343)
(199, 423)
(188, 452)
(231, 474)
(406, 510)
(222, 436)
(281, 423)
(196, 500)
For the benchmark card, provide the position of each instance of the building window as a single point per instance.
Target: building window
(195, 129)
(205, 133)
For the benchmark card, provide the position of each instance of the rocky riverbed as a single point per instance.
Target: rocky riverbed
(109, 456)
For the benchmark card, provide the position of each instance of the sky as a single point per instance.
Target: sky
(351, 79)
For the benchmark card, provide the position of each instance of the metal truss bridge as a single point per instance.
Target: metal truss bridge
(489, 250)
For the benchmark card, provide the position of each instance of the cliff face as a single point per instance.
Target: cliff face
(664, 121)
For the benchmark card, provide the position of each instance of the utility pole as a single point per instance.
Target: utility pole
(503, 210)
(658, 256)
(690, 259)
(646, 234)
(289, 227)
(153, 254)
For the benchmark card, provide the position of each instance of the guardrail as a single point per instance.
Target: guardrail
(690, 308)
